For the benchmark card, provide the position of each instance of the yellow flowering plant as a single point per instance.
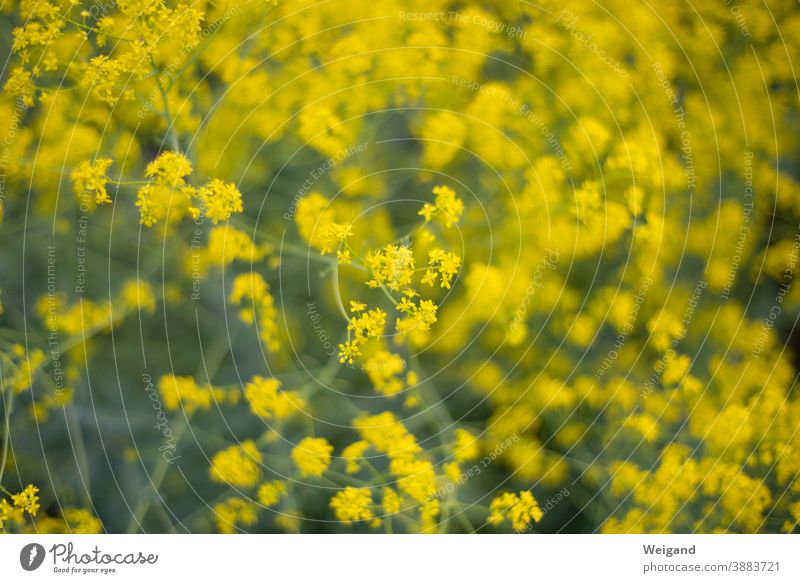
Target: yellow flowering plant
(422, 267)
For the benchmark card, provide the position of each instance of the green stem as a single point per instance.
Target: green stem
(172, 135)
(8, 406)
(389, 295)
(337, 295)
(81, 457)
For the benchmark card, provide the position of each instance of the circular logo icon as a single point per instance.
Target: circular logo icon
(31, 556)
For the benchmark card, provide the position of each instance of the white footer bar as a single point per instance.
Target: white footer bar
(402, 558)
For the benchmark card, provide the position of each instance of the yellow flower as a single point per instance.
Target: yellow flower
(28, 364)
(387, 434)
(226, 244)
(676, 368)
(349, 351)
(453, 472)
(82, 521)
(352, 454)
(267, 401)
(19, 83)
(270, 493)
(138, 295)
(170, 168)
(252, 294)
(361, 328)
(157, 202)
(183, 392)
(344, 257)
(448, 204)
(233, 512)
(170, 193)
(333, 235)
(466, 446)
(416, 476)
(646, 425)
(357, 306)
(420, 317)
(27, 500)
(312, 456)
(392, 267)
(10, 513)
(289, 521)
(89, 178)
(442, 265)
(665, 328)
(368, 325)
(238, 465)
(391, 501)
(428, 211)
(219, 200)
(521, 510)
(353, 505)
(384, 370)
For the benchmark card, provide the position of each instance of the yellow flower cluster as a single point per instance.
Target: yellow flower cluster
(234, 512)
(520, 509)
(270, 493)
(225, 245)
(24, 366)
(353, 505)
(168, 195)
(251, 293)
(182, 392)
(414, 473)
(238, 465)
(447, 205)
(312, 456)
(89, 178)
(26, 501)
(466, 446)
(73, 521)
(443, 266)
(268, 401)
(384, 370)
(392, 267)
(359, 330)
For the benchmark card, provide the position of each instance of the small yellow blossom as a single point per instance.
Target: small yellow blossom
(353, 505)
(447, 203)
(170, 168)
(520, 509)
(352, 454)
(252, 293)
(466, 446)
(384, 370)
(238, 465)
(183, 392)
(393, 266)
(27, 500)
(270, 493)
(234, 512)
(268, 401)
(138, 295)
(390, 502)
(89, 178)
(219, 200)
